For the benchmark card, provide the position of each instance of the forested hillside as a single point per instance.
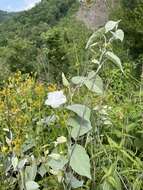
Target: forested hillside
(5, 16)
(71, 96)
(25, 36)
(131, 13)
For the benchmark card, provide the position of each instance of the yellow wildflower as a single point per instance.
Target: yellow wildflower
(17, 145)
(39, 89)
(52, 87)
(4, 149)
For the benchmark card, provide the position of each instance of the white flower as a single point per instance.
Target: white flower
(61, 140)
(55, 99)
(55, 156)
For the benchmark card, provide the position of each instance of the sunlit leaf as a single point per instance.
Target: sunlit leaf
(78, 80)
(32, 185)
(30, 172)
(22, 163)
(64, 80)
(106, 186)
(58, 164)
(81, 110)
(110, 25)
(95, 85)
(14, 162)
(119, 34)
(80, 162)
(115, 59)
(44, 168)
(73, 181)
(54, 156)
(48, 120)
(94, 37)
(28, 144)
(77, 124)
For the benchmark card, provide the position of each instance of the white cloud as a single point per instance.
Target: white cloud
(30, 3)
(8, 8)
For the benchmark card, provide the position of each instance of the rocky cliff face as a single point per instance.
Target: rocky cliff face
(95, 15)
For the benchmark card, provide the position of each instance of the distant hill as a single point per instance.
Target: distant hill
(53, 33)
(45, 14)
(50, 37)
(47, 11)
(5, 15)
(48, 34)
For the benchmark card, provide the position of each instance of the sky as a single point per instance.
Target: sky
(17, 5)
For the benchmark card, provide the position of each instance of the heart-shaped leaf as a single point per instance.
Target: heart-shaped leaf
(80, 162)
(74, 182)
(81, 110)
(119, 34)
(58, 164)
(110, 25)
(95, 84)
(77, 124)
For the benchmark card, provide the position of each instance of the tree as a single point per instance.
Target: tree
(19, 54)
(131, 14)
(56, 53)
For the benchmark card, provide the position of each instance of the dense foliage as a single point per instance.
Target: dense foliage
(70, 102)
(28, 35)
(131, 13)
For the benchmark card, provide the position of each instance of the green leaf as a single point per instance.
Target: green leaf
(118, 182)
(28, 144)
(30, 172)
(44, 168)
(110, 25)
(81, 110)
(21, 181)
(91, 75)
(77, 123)
(32, 185)
(95, 36)
(48, 120)
(106, 186)
(80, 162)
(22, 163)
(14, 162)
(115, 59)
(58, 164)
(92, 83)
(64, 80)
(74, 182)
(137, 184)
(112, 143)
(119, 34)
(78, 80)
(112, 182)
(95, 85)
